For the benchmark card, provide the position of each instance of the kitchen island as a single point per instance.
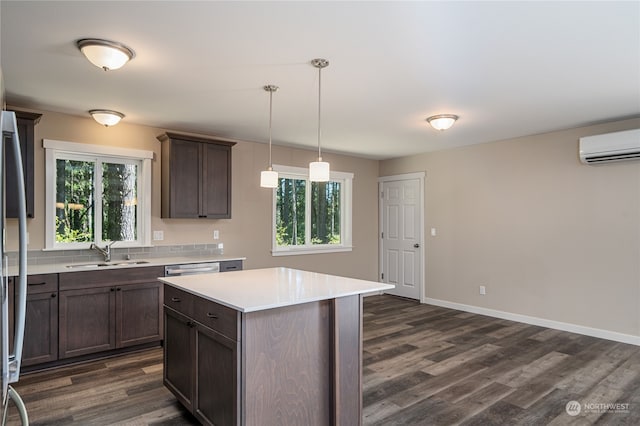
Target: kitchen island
(273, 346)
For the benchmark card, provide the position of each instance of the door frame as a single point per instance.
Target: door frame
(423, 259)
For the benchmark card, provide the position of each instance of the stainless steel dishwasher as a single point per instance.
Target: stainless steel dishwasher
(191, 269)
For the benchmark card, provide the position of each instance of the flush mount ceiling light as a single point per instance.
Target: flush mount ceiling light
(442, 121)
(106, 117)
(319, 170)
(105, 54)
(269, 177)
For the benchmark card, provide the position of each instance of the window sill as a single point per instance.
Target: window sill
(307, 250)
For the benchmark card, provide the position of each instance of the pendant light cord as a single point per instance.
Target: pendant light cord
(319, 110)
(270, 116)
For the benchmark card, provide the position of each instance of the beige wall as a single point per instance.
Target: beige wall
(548, 236)
(248, 233)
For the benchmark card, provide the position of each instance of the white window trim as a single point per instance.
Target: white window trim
(346, 204)
(53, 147)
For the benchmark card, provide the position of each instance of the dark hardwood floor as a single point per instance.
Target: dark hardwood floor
(423, 365)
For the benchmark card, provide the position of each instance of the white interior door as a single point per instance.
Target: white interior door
(401, 220)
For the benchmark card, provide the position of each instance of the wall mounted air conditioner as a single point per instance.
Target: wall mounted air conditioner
(618, 146)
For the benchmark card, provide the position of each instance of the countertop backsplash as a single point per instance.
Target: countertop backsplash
(40, 257)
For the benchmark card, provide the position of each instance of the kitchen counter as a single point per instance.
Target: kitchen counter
(260, 289)
(54, 268)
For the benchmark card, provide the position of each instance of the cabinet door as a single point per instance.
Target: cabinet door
(217, 378)
(138, 314)
(26, 122)
(41, 329)
(184, 179)
(179, 356)
(87, 321)
(216, 178)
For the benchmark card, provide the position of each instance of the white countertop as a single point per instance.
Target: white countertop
(54, 268)
(259, 289)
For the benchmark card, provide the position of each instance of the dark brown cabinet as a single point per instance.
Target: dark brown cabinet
(41, 320)
(179, 356)
(103, 310)
(196, 177)
(26, 122)
(231, 265)
(201, 362)
(87, 321)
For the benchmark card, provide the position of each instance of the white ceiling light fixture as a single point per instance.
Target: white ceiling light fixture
(106, 117)
(319, 170)
(105, 54)
(442, 121)
(269, 177)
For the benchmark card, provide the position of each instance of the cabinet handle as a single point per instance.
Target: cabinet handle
(43, 283)
(175, 299)
(231, 267)
(53, 295)
(112, 289)
(118, 289)
(190, 324)
(210, 315)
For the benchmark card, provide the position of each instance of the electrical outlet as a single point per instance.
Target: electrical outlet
(216, 234)
(483, 290)
(158, 235)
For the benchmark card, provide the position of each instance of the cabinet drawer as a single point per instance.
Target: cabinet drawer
(46, 283)
(178, 300)
(219, 318)
(231, 265)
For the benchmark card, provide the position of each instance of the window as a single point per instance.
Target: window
(311, 217)
(96, 194)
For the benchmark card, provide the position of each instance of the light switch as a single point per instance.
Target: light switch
(158, 235)
(433, 232)
(216, 234)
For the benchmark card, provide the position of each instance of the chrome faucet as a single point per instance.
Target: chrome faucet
(106, 251)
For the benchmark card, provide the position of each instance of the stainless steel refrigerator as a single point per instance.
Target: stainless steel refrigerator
(11, 360)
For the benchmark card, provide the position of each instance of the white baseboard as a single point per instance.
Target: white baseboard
(558, 325)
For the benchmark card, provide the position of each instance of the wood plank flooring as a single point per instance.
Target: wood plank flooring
(423, 365)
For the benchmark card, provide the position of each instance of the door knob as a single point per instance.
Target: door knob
(416, 245)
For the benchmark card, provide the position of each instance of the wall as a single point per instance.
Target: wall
(248, 233)
(549, 237)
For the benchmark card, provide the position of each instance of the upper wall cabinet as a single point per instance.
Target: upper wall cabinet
(26, 122)
(196, 177)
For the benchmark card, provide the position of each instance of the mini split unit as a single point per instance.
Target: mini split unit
(610, 147)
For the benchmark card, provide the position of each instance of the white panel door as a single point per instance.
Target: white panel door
(401, 215)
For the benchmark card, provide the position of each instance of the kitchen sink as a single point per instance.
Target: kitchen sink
(103, 264)
(129, 262)
(87, 265)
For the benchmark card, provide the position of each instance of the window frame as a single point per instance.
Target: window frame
(346, 212)
(55, 150)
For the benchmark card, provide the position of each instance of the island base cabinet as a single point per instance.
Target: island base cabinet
(201, 369)
(216, 400)
(294, 365)
(179, 357)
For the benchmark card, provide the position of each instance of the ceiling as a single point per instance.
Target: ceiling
(508, 69)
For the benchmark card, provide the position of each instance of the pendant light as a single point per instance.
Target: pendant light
(269, 177)
(319, 170)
